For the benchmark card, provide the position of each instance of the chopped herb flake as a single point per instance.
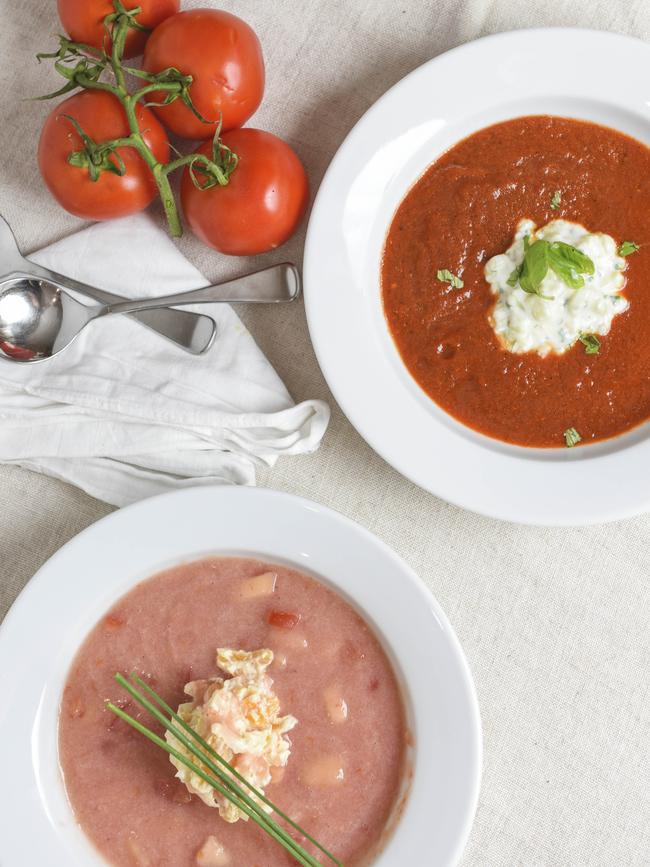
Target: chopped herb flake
(628, 247)
(571, 437)
(591, 344)
(556, 200)
(446, 276)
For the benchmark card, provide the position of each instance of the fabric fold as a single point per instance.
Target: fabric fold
(123, 413)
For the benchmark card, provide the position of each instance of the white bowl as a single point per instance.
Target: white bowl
(585, 74)
(46, 625)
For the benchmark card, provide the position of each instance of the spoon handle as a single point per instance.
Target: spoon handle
(194, 332)
(277, 284)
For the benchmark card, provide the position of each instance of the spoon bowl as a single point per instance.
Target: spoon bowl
(30, 313)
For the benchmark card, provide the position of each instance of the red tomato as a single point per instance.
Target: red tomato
(263, 202)
(223, 56)
(283, 619)
(102, 117)
(83, 21)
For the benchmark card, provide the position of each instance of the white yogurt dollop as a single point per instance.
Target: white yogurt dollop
(528, 323)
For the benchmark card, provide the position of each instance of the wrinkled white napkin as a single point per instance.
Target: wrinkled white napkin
(125, 414)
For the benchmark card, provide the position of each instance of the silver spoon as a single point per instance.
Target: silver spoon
(38, 318)
(192, 331)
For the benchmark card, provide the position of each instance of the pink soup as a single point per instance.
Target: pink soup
(123, 789)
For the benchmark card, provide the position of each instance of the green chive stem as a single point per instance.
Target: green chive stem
(251, 808)
(272, 829)
(206, 746)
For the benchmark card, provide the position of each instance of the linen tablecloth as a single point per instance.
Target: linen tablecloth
(554, 622)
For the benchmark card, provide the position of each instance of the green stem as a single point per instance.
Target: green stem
(157, 168)
(89, 84)
(171, 87)
(118, 38)
(185, 161)
(168, 200)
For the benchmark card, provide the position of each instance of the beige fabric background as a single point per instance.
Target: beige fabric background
(554, 622)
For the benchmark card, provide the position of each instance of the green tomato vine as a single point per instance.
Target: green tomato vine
(88, 68)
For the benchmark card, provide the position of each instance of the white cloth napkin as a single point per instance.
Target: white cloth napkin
(125, 414)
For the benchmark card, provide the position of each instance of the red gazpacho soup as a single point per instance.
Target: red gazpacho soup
(348, 734)
(515, 281)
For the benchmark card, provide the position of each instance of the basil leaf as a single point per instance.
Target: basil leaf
(569, 263)
(534, 267)
(514, 277)
(446, 276)
(571, 437)
(568, 275)
(591, 343)
(579, 261)
(628, 247)
(556, 200)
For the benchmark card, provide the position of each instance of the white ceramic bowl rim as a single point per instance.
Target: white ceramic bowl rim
(77, 585)
(585, 74)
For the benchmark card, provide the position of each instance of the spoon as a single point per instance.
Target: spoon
(192, 331)
(39, 318)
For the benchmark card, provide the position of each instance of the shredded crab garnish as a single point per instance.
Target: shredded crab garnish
(239, 717)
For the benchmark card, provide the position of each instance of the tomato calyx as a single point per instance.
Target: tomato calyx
(83, 67)
(97, 157)
(121, 12)
(89, 64)
(171, 76)
(207, 173)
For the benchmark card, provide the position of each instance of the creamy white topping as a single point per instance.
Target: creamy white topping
(529, 323)
(240, 718)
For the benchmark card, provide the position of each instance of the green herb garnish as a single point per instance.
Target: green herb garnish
(446, 276)
(222, 776)
(556, 200)
(591, 343)
(566, 261)
(628, 247)
(571, 437)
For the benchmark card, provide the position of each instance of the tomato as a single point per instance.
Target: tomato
(223, 56)
(83, 21)
(283, 619)
(102, 117)
(263, 202)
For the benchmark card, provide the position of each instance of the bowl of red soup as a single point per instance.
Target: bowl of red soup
(487, 255)
(224, 677)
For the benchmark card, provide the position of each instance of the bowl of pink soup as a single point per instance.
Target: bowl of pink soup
(384, 750)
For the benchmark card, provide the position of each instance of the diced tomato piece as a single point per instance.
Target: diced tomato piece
(76, 708)
(283, 619)
(113, 621)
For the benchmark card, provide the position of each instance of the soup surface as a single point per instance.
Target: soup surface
(123, 789)
(463, 211)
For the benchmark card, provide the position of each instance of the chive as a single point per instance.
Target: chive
(154, 738)
(262, 819)
(556, 200)
(225, 783)
(206, 746)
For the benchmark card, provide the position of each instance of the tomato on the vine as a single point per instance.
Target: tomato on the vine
(83, 21)
(263, 202)
(224, 57)
(101, 117)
